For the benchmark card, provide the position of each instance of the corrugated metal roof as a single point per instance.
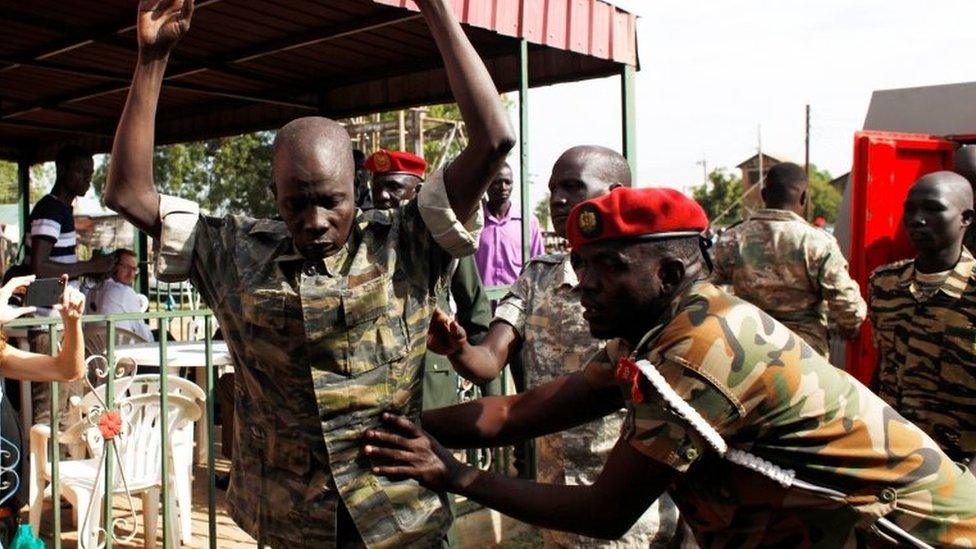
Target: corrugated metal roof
(65, 65)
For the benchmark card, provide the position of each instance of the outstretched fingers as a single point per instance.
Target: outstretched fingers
(402, 424)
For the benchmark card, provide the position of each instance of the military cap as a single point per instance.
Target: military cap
(383, 161)
(635, 213)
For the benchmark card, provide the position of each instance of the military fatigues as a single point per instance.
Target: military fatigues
(927, 351)
(543, 306)
(786, 267)
(757, 387)
(321, 349)
(473, 311)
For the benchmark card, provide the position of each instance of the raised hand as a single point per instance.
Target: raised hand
(446, 336)
(162, 23)
(407, 451)
(16, 285)
(72, 306)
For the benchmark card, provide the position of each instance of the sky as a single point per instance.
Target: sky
(713, 72)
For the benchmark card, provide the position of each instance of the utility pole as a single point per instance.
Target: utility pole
(806, 165)
(760, 177)
(704, 164)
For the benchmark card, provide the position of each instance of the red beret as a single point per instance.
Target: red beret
(383, 161)
(627, 213)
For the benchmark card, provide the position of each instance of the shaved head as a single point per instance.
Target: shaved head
(937, 212)
(965, 161)
(601, 164)
(582, 173)
(313, 171)
(317, 136)
(954, 187)
(785, 187)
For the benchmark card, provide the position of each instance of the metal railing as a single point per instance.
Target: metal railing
(164, 318)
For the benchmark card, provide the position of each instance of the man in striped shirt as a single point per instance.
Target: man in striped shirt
(51, 243)
(923, 312)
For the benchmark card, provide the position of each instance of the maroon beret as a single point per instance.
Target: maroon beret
(629, 213)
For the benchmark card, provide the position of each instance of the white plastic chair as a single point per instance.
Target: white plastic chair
(96, 338)
(138, 469)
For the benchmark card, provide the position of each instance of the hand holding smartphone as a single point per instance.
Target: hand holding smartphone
(44, 292)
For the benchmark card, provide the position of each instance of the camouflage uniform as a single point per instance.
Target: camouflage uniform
(786, 267)
(927, 351)
(755, 386)
(473, 311)
(321, 349)
(543, 306)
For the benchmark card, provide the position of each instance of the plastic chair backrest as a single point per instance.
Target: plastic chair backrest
(139, 445)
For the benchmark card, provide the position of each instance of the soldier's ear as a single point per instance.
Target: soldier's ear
(671, 272)
(967, 217)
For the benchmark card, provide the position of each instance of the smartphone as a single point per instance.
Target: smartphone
(44, 292)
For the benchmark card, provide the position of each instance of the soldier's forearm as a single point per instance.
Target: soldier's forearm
(490, 132)
(555, 406)
(129, 187)
(476, 363)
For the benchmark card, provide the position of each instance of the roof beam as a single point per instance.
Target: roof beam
(221, 62)
(74, 39)
(53, 128)
(110, 38)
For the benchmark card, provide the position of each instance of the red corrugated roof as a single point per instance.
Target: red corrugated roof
(65, 64)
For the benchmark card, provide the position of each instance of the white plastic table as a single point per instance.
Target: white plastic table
(182, 354)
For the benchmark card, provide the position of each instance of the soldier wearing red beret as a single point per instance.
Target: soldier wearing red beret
(397, 177)
(757, 438)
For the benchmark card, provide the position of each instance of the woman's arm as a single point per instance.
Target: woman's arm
(69, 364)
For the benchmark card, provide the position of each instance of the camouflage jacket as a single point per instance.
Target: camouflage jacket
(321, 349)
(764, 391)
(543, 306)
(927, 351)
(788, 268)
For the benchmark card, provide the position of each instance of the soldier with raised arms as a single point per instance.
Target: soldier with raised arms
(326, 310)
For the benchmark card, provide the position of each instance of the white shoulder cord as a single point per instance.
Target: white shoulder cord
(785, 477)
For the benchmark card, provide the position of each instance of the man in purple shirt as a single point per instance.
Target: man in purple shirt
(499, 255)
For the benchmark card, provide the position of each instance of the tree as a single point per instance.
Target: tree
(231, 174)
(824, 198)
(542, 212)
(720, 197)
(42, 177)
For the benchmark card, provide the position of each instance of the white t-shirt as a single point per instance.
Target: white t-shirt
(112, 297)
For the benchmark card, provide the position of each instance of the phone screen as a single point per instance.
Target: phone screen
(44, 292)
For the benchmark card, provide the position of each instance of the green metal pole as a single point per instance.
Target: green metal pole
(23, 184)
(628, 96)
(526, 203)
(524, 148)
(141, 245)
(211, 396)
(55, 446)
(164, 428)
(109, 445)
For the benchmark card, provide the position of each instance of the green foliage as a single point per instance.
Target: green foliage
(8, 182)
(42, 178)
(721, 195)
(542, 212)
(824, 198)
(725, 189)
(229, 175)
(434, 148)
